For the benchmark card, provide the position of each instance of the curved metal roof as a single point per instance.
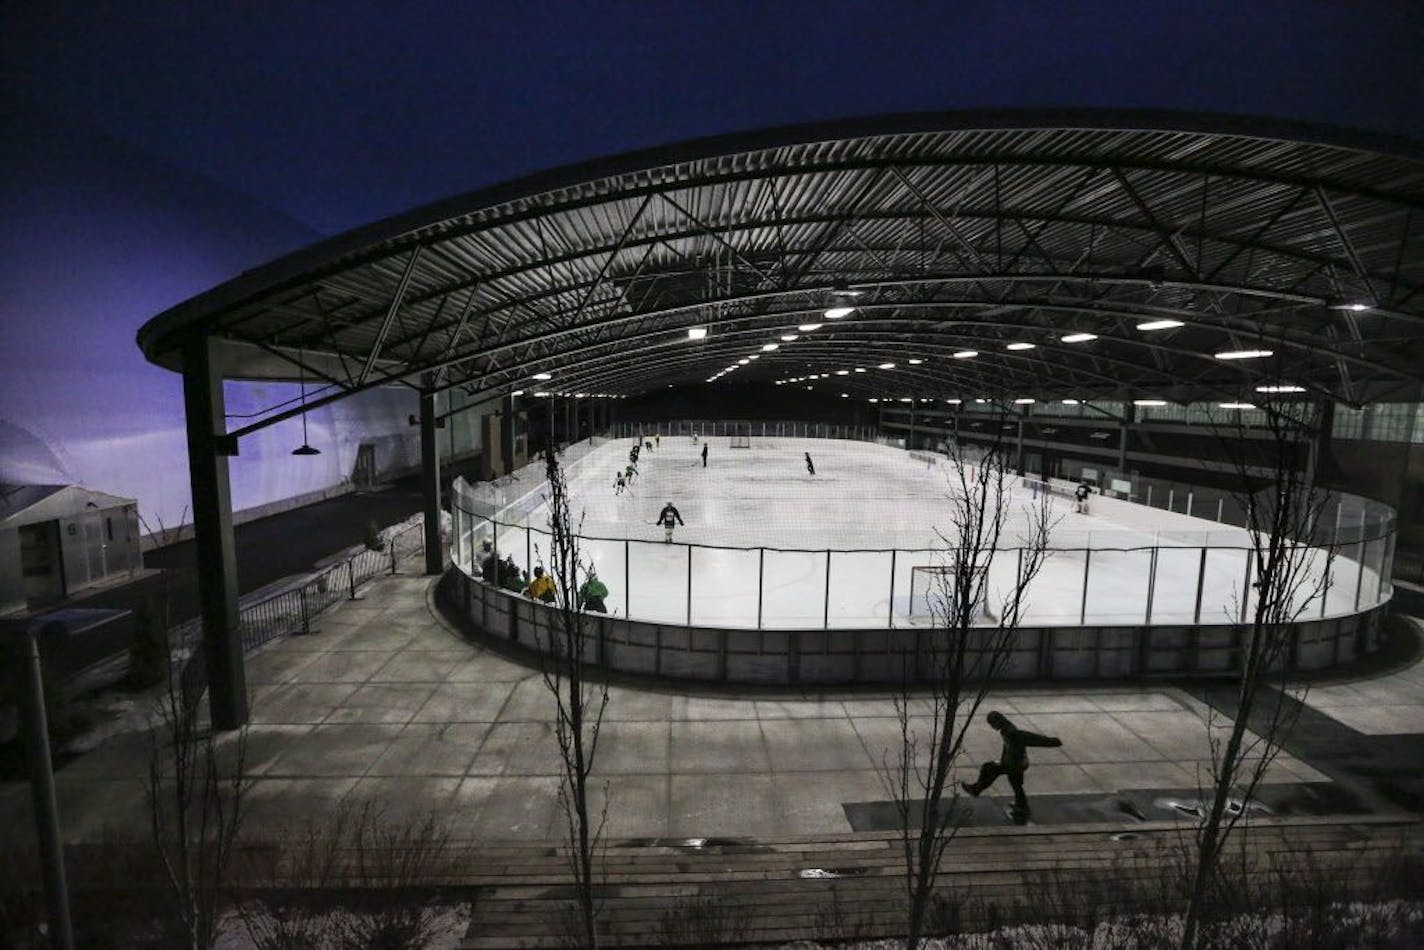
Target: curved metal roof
(955, 232)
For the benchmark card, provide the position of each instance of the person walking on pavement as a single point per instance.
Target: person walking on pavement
(1013, 761)
(669, 517)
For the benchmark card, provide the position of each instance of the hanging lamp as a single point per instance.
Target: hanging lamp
(306, 448)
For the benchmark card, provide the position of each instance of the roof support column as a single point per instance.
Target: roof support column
(1128, 413)
(506, 433)
(208, 449)
(430, 480)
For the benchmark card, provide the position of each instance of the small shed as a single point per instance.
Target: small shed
(56, 540)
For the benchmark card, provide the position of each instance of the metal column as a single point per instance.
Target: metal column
(506, 434)
(208, 449)
(430, 482)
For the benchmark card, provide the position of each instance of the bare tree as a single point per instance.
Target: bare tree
(958, 658)
(1290, 565)
(579, 704)
(195, 806)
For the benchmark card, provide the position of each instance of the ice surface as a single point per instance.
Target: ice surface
(754, 550)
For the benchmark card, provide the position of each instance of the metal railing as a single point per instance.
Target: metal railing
(716, 428)
(266, 616)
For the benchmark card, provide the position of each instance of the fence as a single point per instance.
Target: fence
(1147, 575)
(291, 610)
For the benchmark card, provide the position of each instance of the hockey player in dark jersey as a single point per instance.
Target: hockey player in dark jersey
(669, 517)
(619, 483)
(810, 465)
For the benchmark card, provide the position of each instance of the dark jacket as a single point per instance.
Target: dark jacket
(666, 516)
(1014, 757)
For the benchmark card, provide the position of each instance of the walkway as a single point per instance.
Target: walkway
(387, 702)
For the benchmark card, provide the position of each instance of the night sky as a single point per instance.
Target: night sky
(336, 114)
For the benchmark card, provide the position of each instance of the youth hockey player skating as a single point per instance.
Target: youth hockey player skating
(619, 483)
(810, 466)
(669, 517)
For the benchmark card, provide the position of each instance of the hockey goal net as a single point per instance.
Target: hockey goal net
(741, 442)
(932, 586)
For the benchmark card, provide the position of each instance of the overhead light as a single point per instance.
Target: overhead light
(1019, 346)
(1236, 405)
(966, 354)
(1160, 324)
(845, 395)
(1078, 337)
(916, 362)
(770, 347)
(886, 366)
(1023, 402)
(1282, 388)
(808, 327)
(835, 313)
(954, 402)
(754, 356)
(1149, 402)
(580, 395)
(841, 290)
(926, 399)
(1245, 354)
(541, 395)
(517, 392)
(906, 399)
(860, 369)
(873, 399)
(981, 401)
(742, 362)
(842, 372)
(696, 333)
(1353, 304)
(788, 337)
(543, 376)
(1069, 402)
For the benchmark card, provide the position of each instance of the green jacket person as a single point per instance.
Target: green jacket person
(591, 594)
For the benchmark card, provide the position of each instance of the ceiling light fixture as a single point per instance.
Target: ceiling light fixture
(1236, 405)
(966, 354)
(916, 362)
(696, 333)
(836, 313)
(1069, 402)
(1244, 354)
(954, 402)
(769, 347)
(788, 337)
(886, 366)
(808, 327)
(842, 372)
(1281, 388)
(1354, 305)
(860, 369)
(1149, 402)
(1023, 402)
(1160, 324)
(1019, 346)
(1078, 337)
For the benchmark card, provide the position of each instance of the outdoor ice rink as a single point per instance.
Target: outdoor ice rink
(766, 543)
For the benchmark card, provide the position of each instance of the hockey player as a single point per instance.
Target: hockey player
(704, 454)
(1080, 495)
(810, 465)
(630, 473)
(658, 440)
(541, 588)
(669, 517)
(694, 438)
(619, 483)
(648, 445)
